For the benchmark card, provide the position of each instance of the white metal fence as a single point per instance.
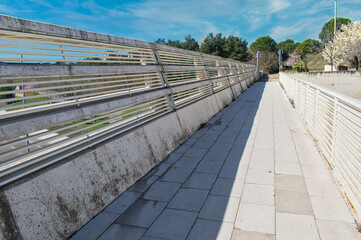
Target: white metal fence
(112, 85)
(334, 120)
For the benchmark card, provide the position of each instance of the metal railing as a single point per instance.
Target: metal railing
(64, 90)
(334, 120)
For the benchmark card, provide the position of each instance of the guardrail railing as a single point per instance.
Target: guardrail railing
(64, 90)
(334, 120)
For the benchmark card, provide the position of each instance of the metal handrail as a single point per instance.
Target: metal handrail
(111, 99)
(334, 120)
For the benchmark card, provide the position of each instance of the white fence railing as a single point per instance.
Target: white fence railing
(64, 90)
(334, 120)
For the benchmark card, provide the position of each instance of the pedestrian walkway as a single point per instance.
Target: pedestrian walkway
(252, 172)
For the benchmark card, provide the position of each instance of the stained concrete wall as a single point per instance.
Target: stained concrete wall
(56, 201)
(344, 82)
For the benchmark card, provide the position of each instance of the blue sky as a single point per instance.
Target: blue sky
(150, 19)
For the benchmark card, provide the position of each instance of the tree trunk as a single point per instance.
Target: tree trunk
(357, 63)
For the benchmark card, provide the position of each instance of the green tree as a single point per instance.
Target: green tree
(263, 44)
(175, 43)
(309, 46)
(161, 41)
(327, 33)
(213, 44)
(190, 43)
(236, 48)
(288, 46)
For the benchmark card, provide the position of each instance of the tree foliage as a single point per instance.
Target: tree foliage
(346, 45)
(288, 47)
(309, 46)
(327, 33)
(263, 44)
(227, 47)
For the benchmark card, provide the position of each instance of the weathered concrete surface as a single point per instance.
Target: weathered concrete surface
(252, 172)
(344, 82)
(56, 201)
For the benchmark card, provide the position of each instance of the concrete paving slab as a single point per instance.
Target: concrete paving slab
(189, 199)
(331, 208)
(295, 227)
(123, 202)
(219, 208)
(226, 139)
(293, 202)
(119, 231)
(216, 155)
(187, 162)
(260, 176)
(290, 183)
(172, 224)
(322, 188)
(200, 181)
(96, 226)
(288, 168)
(244, 235)
(256, 218)
(208, 229)
(258, 194)
(209, 167)
(316, 172)
(221, 147)
(172, 158)
(142, 213)
(182, 148)
(196, 152)
(333, 230)
(142, 186)
(162, 168)
(162, 191)
(228, 187)
(176, 174)
(233, 172)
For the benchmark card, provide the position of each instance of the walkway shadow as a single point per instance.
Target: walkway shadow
(195, 192)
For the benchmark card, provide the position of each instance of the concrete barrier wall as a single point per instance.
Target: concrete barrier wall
(344, 82)
(56, 201)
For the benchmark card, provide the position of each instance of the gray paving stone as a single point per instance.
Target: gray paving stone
(208, 229)
(124, 201)
(203, 144)
(290, 183)
(172, 158)
(233, 172)
(331, 208)
(295, 227)
(216, 155)
(333, 230)
(244, 235)
(188, 199)
(226, 139)
(293, 202)
(187, 162)
(200, 181)
(142, 213)
(196, 152)
(96, 226)
(175, 174)
(119, 231)
(258, 194)
(182, 148)
(172, 224)
(142, 186)
(256, 218)
(162, 168)
(151, 238)
(219, 208)
(162, 191)
(209, 167)
(228, 187)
